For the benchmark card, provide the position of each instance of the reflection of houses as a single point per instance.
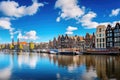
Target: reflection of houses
(107, 67)
(113, 36)
(101, 67)
(90, 62)
(100, 37)
(68, 61)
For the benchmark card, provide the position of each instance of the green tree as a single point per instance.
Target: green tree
(31, 46)
(20, 47)
(3, 46)
(11, 46)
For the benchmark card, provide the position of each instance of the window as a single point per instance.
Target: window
(101, 40)
(110, 31)
(103, 35)
(100, 45)
(110, 44)
(97, 40)
(99, 35)
(99, 29)
(115, 39)
(110, 34)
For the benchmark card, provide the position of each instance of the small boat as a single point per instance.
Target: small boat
(67, 53)
(53, 51)
(78, 53)
(44, 51)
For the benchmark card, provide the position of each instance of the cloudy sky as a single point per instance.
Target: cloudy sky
(41, 20)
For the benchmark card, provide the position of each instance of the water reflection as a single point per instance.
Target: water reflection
(5, 66)
(34, 66)
(97, 67)
(27, 59)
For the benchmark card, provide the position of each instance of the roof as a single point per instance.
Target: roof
(23, 43)
(91, 36)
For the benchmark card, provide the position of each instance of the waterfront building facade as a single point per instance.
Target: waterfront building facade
(100, 39)
(68, 42)
(89, 41)
(109, 37)
(113, 36)
(117, 35)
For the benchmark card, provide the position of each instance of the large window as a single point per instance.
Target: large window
(99, 29)
(97, 40)
(99, 35)
(103, 40)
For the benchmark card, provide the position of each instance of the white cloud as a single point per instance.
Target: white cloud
(12, 33)
(31, 35)
(115, 12)
(70, 29)
(68, 32)
(86, 20)
(5, 23)
(58, 19)
(69, 9)
(13, 9)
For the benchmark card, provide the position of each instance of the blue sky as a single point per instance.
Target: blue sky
(41, 20)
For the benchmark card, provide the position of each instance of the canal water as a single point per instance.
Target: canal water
(34, 66)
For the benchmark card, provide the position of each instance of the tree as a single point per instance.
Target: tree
(11, 46)
(3, 46)
(31, 46)
(20, 46)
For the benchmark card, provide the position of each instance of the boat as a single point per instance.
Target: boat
(78, 53)
(53, 51)
(44, 51)
(67, 53)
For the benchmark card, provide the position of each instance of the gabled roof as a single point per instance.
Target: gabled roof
(117, 25)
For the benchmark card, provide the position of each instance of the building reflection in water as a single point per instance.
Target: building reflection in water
(84, 67)
(97, 67)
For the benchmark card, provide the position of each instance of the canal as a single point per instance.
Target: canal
(41, 66)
